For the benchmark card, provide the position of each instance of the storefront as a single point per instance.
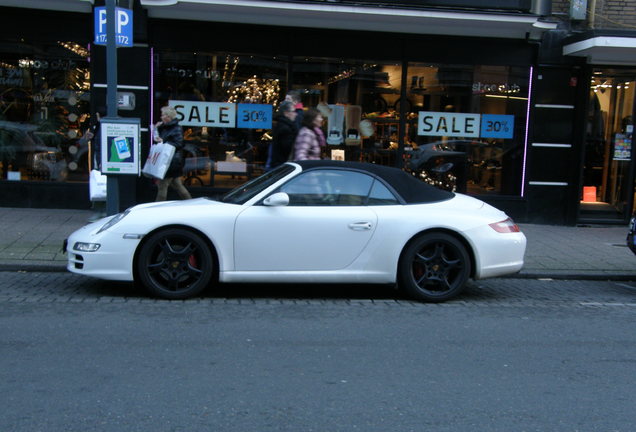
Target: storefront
(44, 107)
(459, 106)
(606, 190)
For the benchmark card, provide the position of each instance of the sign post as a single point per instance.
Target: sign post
(112, 183)
(113, 27)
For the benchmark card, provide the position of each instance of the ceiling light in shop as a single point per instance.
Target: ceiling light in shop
(75, 48)
(505, 97)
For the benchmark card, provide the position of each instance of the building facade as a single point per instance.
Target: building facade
(483, 93)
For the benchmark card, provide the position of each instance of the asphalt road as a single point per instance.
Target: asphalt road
(509, 355)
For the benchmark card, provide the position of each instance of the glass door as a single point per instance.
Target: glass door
(607, 189)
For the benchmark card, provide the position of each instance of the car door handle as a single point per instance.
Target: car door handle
(360, 226)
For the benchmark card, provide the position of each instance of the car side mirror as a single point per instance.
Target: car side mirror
(278, 199)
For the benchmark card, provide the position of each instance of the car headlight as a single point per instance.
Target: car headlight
(86, 247)
(115, 219)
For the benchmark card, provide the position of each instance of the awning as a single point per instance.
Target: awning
(329, 16)
(617, 49)
(59, 5)
(344, 17)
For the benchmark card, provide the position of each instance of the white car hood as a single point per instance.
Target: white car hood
(187, 203)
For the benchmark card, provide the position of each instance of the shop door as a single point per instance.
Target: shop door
(607, 188)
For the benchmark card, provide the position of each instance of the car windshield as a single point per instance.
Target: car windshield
(245, 192)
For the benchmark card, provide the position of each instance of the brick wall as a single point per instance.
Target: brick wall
(608, 14)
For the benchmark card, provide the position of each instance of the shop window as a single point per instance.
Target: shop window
(466, 126)
(459, 127)
(607, 184)
(224, 146)
(44, 108)
(358, 99)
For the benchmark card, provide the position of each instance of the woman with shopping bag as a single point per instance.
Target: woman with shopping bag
(169, 131)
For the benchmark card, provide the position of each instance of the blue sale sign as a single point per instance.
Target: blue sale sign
(497, 126)
(123, 26)
(254, 116)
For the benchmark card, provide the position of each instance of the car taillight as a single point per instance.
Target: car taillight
(505, 226)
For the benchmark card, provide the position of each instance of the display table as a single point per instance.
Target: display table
(231, 167)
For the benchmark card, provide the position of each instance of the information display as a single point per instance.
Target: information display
(120, 148)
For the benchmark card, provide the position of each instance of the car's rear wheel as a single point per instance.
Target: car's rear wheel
(175, 264)
(434, 267)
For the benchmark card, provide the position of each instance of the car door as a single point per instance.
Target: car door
(325, 226)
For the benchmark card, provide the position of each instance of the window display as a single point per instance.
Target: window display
(466, 126)
(44, 109)
(459, 127)
(225, 104)
(607, 184)
(357, 99)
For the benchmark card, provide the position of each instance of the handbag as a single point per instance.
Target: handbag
(97, 186)
(158, 160)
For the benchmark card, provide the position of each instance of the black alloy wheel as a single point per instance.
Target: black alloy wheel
(175, 264)
(434, 267)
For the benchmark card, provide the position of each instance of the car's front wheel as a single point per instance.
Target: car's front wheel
(175, 264)
(434, 267)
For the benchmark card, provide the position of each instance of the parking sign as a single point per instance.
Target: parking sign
(123, 26)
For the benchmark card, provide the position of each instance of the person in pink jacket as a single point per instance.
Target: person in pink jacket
(310, 139)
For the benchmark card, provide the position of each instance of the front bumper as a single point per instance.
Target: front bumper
(112, 261)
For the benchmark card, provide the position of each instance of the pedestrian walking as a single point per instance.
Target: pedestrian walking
(310, 139)
(170, 131)
(283, 135)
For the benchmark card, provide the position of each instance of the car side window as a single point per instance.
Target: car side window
(381, 195)
(328, 188)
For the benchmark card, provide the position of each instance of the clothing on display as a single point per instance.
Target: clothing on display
(335, 124)
(353, 117)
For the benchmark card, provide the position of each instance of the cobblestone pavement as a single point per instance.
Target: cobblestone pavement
(49, 287)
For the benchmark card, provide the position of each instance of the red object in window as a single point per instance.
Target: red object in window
(589, 193)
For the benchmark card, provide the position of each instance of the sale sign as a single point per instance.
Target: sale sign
(254, 116)
(465, 125)
(208, 114)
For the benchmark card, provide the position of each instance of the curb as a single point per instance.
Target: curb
(555, 274)
(566, 275)
(33, 268)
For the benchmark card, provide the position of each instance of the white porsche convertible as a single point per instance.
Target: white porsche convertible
(309, 221)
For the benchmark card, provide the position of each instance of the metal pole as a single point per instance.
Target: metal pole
(112, 183)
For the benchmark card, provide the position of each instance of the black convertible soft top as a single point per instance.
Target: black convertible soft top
(410, 189)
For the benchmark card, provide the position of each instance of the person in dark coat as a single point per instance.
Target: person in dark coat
(169, 131)
(294, 97)
(284, 134)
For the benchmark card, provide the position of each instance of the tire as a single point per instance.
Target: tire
(434, 268)
(175, 264)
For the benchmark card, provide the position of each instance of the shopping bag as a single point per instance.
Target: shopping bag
(158, 160)
(97, 186)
